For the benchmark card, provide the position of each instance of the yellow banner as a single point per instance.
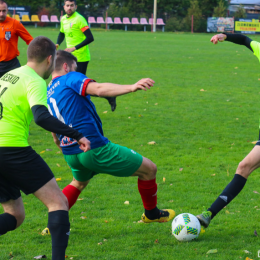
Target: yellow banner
(253, 26)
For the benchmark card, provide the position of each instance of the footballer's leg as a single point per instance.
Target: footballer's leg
(13, 215)
(148, 190)
(244, 169)
(58, 219)
(72, 192)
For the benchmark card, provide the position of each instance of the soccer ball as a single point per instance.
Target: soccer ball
(185, 227)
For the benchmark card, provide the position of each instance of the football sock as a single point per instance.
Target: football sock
(7, 223)
(59, 227)
(148, 192)
(228, 194)
(72, 194)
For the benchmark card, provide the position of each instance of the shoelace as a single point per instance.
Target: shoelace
(206, 214)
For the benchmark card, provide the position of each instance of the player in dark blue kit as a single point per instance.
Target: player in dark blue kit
(69, 101)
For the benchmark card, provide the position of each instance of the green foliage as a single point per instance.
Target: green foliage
(198, 19)
(220, 10)
(241, 12)
(175, 24)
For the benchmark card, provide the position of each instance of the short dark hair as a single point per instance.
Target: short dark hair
(40, 48)
(4, 2)
(64, 57)
(70, 1)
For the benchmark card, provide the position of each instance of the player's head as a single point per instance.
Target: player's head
(70, 7)
(3, 10)
(42, 50)
(65, 62)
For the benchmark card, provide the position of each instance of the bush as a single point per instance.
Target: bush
(174, 24)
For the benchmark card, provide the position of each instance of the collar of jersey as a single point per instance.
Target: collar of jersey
(71, 16)
(56, 77)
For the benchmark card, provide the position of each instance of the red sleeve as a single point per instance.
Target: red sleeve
(84, 28)
(23, 33)
(83, 92)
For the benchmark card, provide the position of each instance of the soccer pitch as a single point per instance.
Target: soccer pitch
(203, 114)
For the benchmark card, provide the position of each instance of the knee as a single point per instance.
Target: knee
(19, 216)
(152, 171)
(80, 185)
(243, 169)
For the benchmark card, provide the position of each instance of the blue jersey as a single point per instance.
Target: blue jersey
(68, 102)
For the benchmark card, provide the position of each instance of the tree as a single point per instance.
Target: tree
(220, 10)
(241, 12)
(194, 10)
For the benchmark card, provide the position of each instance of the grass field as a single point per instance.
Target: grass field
(200, 136)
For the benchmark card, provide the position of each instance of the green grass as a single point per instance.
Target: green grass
(207, 133)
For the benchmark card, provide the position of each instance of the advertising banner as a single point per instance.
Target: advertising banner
(220, 24)
(249, 26)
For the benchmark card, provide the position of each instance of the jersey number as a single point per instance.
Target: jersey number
(1, 105)
(56, 109)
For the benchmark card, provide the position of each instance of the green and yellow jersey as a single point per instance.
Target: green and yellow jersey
(73, 28)
(256, 48)
(20, 90)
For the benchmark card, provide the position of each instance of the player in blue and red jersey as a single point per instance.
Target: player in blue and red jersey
(69, 101)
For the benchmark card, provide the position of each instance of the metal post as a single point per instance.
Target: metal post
(154, 15)
(106, 20)
(192, 24)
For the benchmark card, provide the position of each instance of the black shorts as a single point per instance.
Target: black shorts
(82, 67)
(21, 169)
(6, 66)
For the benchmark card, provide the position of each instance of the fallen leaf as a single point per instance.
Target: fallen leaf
(126, 202)
(42, 152)
(213, 174)
(58, 179)
(48, 149)
(254, 142)
(106, 221)
(237, 118)
(140, 115)
(100, 243)
(58, 165)
(40, 256)
(104, 240)
(247, 252)
(202, 89)
(202, 230)
(236, 67)
(140, 221)
(163, 179)
(227, 212)
(80, 199)
(255, 233)
(104, 112)
(156, 241)
(129, 117)
(180, 169)
(58, 152)
(156, 104)
(152, 142)
(212, 251)
(83, 217)
(256, 192)
(249, 258)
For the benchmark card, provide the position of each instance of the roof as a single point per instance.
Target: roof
(245, 2)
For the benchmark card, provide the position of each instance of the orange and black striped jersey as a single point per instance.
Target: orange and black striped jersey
(10, 30)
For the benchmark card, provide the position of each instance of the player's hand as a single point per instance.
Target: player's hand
(142, 84)
(84, 144)
(57, 46)
(218, 38)
(70, 49)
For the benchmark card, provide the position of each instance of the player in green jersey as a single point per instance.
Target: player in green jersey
(251, 161)
(74, 28)
(23, 95)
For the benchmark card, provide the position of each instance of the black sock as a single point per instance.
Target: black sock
(59, 227)
(7, 223)
(228, 194)
(152, 214)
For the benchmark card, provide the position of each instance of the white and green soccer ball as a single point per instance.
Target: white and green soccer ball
(185, 227)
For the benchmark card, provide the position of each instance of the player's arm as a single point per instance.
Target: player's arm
(60, 39)
(88, 40)
(113, 90)
(235, 38)
(23, 33)
(44, 119)
(56, 140)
